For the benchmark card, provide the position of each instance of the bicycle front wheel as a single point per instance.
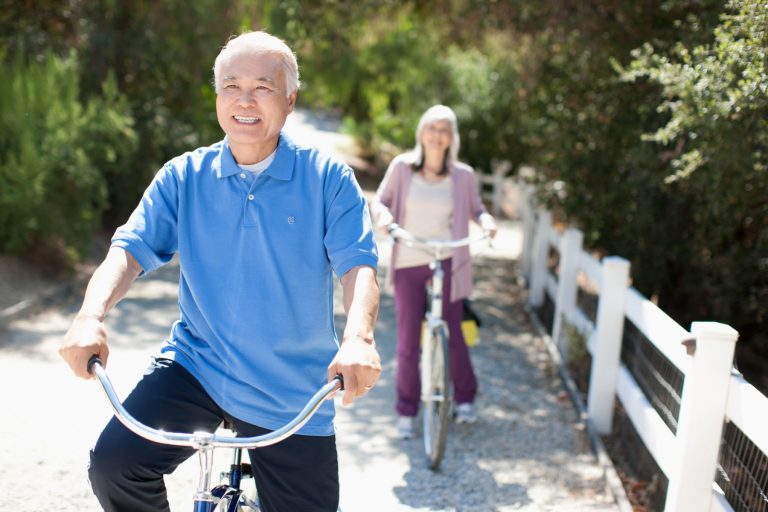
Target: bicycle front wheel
(436, 396)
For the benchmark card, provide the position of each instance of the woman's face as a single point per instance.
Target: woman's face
(436, 136)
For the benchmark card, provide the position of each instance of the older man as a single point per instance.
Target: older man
(260, 226)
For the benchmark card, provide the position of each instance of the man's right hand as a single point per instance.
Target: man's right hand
(86, 337)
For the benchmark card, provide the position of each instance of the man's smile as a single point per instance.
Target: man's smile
(246, 119)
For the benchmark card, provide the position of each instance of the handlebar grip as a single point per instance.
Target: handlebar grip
(92, 361)
(341, 382)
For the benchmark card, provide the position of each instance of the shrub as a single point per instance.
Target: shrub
(715, 148)
(52, 190)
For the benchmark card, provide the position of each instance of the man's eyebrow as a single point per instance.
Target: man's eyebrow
(232, 78)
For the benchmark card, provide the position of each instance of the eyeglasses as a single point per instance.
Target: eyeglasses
(440, 130)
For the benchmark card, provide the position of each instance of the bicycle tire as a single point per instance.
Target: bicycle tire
(436, 398)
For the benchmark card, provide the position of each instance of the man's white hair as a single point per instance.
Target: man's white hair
(259, 43)
(438, 113)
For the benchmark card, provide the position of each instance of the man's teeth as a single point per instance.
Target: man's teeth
(246, 119)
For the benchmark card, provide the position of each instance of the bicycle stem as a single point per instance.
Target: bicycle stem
(203, 494)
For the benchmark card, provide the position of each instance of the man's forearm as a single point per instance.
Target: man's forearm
(87, 336)
(361, 302)
(109, 283)
(358, 360)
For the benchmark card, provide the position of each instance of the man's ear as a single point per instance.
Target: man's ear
(292, 100)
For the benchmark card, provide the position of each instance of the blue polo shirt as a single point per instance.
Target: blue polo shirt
(257, 258)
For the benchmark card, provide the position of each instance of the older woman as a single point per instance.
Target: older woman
(430, 193)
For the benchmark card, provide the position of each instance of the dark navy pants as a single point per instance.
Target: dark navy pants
(126, 471)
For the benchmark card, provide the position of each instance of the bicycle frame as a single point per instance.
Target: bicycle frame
(433, 320)
(206, 442)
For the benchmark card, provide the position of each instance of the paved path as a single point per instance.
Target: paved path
(527, 452)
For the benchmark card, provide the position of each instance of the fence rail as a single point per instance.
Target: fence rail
(703, 424)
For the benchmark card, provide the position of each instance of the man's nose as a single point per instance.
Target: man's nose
(247, 97)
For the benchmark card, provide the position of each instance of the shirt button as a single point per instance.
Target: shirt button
(242, 175)
(250, 197)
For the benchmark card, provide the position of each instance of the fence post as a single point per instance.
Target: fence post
(500, 170)
(570, 248)
(606, 353)
(539, 258)
(525, 208)
(528, 217)
(702, 413)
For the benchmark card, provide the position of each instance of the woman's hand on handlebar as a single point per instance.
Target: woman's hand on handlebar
(86, 337)
(488, 225)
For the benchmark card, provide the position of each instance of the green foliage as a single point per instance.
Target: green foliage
(715, 149)
(51, 190)
(377, 62)
(482, 79)
(38, 27)
(161, 55)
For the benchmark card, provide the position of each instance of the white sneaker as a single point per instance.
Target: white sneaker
(405, 427)
(465, 413)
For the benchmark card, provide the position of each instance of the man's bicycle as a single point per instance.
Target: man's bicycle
(434, 368)
(228, 497)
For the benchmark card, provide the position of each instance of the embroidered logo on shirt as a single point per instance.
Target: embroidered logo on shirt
(291, 219)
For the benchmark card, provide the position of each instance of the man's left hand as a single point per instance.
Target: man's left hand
(359, 364)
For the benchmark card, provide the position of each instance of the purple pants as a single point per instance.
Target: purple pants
(410, 298)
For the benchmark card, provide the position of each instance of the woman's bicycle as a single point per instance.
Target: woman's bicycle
(434, 368)
(228, 497)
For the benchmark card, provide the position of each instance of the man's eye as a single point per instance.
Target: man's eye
(230, 86)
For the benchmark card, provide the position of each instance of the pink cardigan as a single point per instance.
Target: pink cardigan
(391, 197)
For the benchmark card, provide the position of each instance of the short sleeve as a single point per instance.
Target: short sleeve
(348, 239)
(150, 234)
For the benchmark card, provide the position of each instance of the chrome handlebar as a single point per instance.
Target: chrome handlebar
(411, 240)
(201, 439)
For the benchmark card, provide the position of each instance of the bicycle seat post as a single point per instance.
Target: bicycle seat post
(235, 469)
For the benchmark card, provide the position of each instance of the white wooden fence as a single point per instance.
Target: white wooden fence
(492, 185)
(712, 393)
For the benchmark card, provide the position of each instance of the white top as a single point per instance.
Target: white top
(428, 210)
(259, 167)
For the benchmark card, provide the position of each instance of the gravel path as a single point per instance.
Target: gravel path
(527, 452)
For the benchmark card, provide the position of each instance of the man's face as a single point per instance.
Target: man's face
(252, 104)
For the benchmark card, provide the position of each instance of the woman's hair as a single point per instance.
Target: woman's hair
(433, 114)
(259, 43)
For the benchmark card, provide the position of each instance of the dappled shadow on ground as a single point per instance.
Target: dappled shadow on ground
(145, 316)
(140, 320)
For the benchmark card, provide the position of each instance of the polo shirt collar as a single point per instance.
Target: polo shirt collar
(281, 167)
